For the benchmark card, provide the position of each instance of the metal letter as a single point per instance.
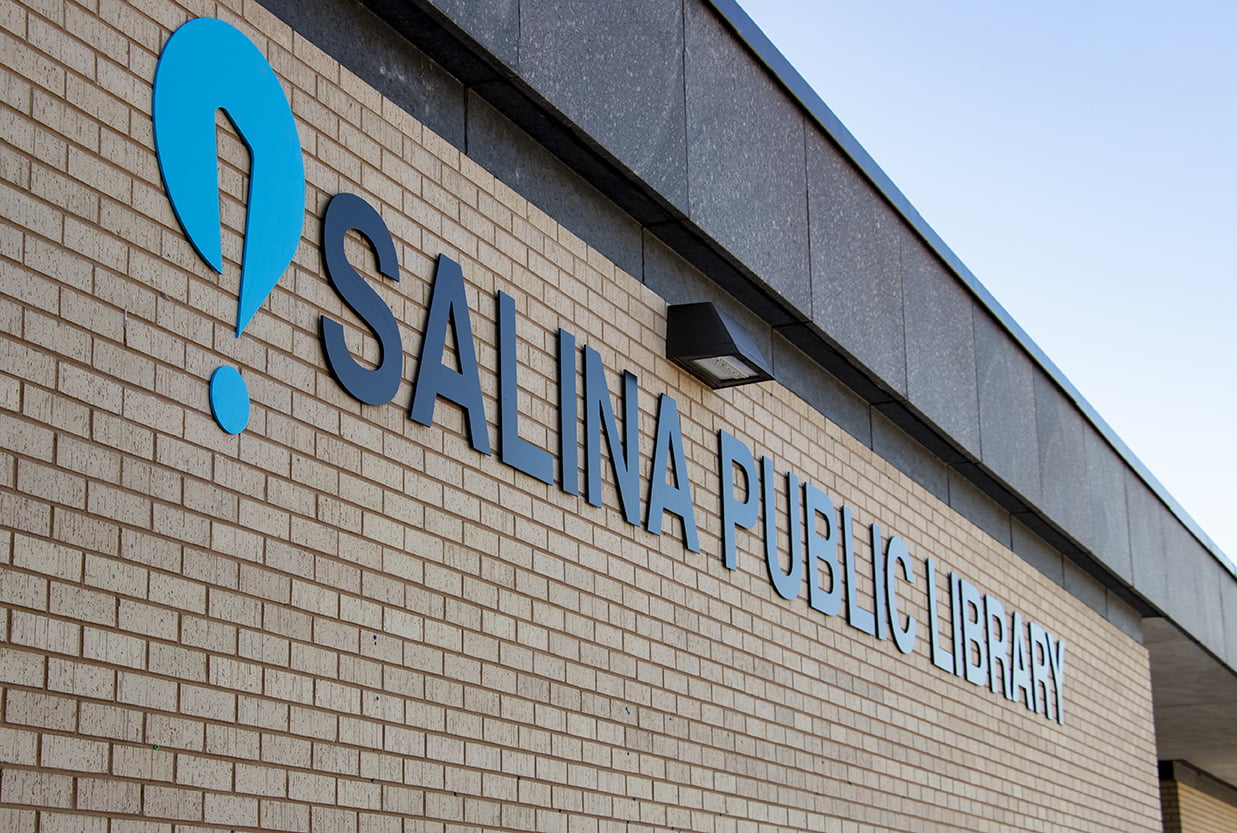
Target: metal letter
(663, 497)
(513, 449)
(1023, 689)
(449, 309)
(822, 548)
(374, 386)
(974, 645)
(1039, 668)
(1056, 658)
(1002, 681)
(568, 416)
(599, 413)
(955, 618)
(733, 452)
(896, 554)
(858, 617)
(787, 585)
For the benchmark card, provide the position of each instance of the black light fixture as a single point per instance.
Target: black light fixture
(713, 346)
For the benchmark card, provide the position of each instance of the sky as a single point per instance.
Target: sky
(1080, 157)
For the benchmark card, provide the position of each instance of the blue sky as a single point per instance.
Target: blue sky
(1081, 158)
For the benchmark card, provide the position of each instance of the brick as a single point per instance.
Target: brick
(71, 600)
(38, 789)
(146, 691)
(119, 505)
(199, 632)
(115, 576)
(47, 557)
(147, 619)
(113, 648)
(232, 674)
(81, 678)
(167, 732)
(175, 661)
(262, 713)
(92, 534)
(97, 390)
(144, 763)
(36, 708)
(234, 607)
(18, 746)
(23, 589)
(77, 754)
(109, 795)
(196, 771)
(138, 826)
(284, 816)
(264, 647)
(327, 818)
(171, 802)
(26, 438)
(177, 593)
(71, 823)
(291, 752)
(21, 667)
(49, 635)
(206, 702)
(17, 821)
(108, 721)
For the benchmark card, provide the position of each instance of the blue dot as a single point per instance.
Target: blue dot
(229, 399)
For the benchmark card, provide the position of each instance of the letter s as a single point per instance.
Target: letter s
(374, 386)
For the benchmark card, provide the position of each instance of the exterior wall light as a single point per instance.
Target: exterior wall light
(713, 346)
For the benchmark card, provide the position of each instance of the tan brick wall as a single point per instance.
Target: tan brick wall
(1190, 810)
(344, 620)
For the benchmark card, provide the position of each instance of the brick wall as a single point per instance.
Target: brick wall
(1190, 810)
(344, 620)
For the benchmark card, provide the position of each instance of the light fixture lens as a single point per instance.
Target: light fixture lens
(726, 368)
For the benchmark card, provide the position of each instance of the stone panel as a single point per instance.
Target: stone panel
(745, 159)
(1037, 552)
(616, 70)
(940, 345)
(979, 509)
(1009, 436)
(495, 24)
(1110, 525)
(1084, 587)
(1228, 609)
(1062, 459)
(369, 47)
(835, 401)
(896, 446)
(856, 264)
(508, 153)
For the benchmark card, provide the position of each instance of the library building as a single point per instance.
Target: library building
(543, 415)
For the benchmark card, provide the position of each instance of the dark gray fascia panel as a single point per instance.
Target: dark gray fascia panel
(909, 456)
(630, 96)
(745, 160)
(941, 377)
(856, 289)
(1110, 520)
(360, 40)
(494, 23)
(506, 151)
(1009, 437)
(1062, 460)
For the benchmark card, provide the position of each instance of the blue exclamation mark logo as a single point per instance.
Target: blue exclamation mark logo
(207, 66)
